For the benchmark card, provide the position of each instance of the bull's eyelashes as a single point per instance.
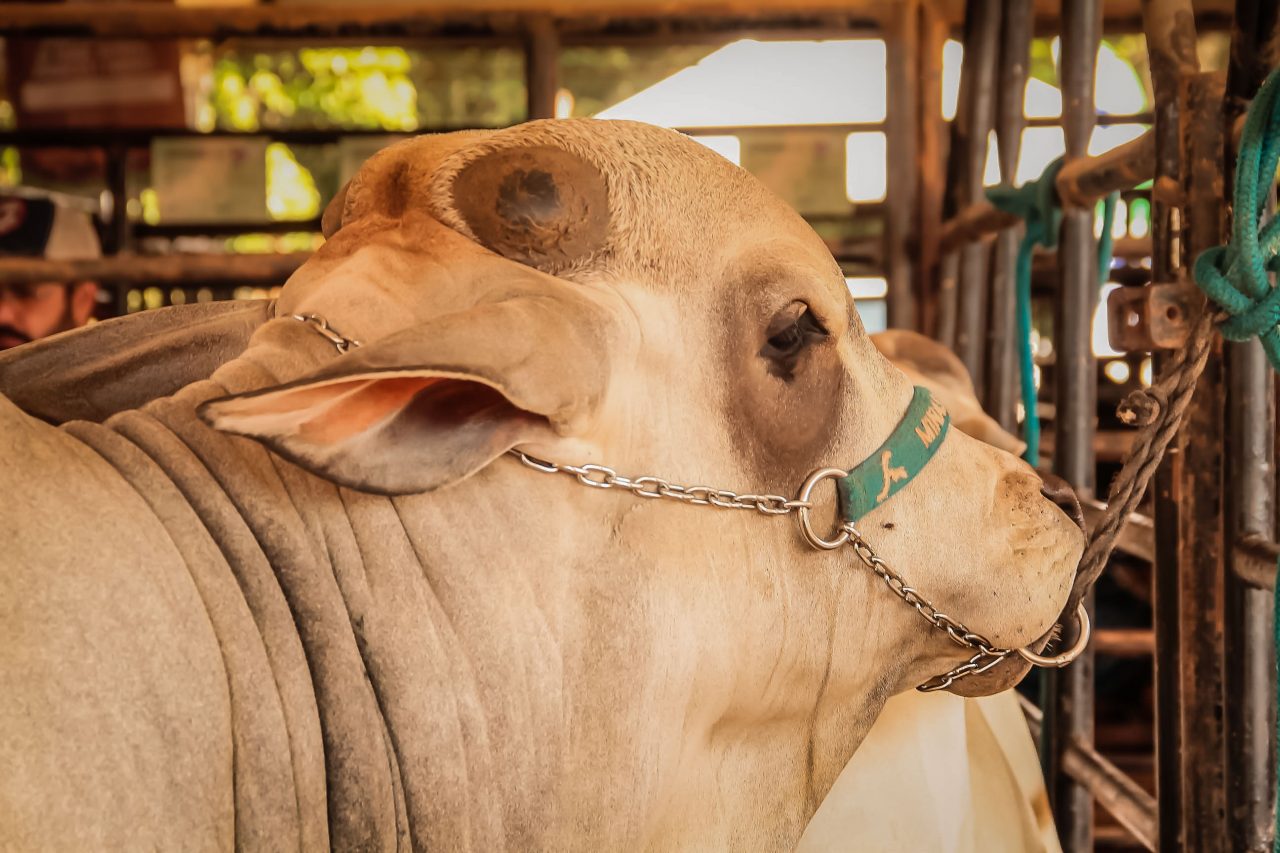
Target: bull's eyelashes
(791, 331)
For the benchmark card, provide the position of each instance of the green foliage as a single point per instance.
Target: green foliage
(375, 88)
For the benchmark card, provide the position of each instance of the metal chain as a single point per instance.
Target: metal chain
(986, 656)
(321, 325)
(603, 477)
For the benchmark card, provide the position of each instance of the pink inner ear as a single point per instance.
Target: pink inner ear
(349, 408)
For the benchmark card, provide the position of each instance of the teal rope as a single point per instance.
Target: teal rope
(1234, 276)
(1036, 202)
(1106, 243)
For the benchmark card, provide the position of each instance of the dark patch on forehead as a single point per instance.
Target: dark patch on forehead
(526, 199)
(538, 205)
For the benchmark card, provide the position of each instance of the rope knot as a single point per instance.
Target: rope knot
(1036, 202)
(1235, 276)
(1142, 407)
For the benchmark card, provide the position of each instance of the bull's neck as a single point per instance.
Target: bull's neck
(491, 665)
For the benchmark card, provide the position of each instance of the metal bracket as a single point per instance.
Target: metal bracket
(1153, 317)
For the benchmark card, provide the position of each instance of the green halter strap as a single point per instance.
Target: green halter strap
(895, 463)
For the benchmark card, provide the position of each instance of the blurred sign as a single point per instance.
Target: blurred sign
(95, 83)
(210, 180)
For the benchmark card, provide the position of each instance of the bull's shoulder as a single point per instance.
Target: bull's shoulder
(119, 364)
(106, 655)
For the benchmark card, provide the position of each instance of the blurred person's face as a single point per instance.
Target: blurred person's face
(29, 312)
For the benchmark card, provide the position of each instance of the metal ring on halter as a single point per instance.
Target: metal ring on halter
(806, 526)
(1058, 661)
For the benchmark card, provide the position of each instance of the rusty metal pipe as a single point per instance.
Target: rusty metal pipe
(170, 270)
(1081, 182)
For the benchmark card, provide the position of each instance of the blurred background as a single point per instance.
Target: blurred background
(236, 144)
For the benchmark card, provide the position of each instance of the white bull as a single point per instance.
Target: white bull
(365, 625)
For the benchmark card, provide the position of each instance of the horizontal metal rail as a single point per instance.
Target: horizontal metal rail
(1080, 182)
(1110, 786)
(141, 137)
(172, 270)
(426, 17)
(1254, 561)
(1137, 537)
(1124, 642)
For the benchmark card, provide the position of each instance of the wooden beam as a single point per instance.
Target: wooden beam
(187, 270)
(113, 19)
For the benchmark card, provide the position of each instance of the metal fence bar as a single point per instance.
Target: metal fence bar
(1254, 558)
(931, 152)
(1002, 357)
(1169, 26)
(1081, 182)
(1202, 541)
(1137, 537)
(1248, 645)
(903, 45)
(188, 270)
(974, 120)
(1068, 694)
(1114, 790)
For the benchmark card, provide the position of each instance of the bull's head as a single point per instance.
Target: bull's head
(610, 292)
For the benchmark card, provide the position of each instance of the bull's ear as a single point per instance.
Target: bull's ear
(433, 404)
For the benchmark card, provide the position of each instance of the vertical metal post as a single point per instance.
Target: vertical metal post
(541, 66)
(1201, 540)
(1068, 694)
(931, 153)
(903, 48)
(970, 132)
(1002, 359)
(1250, 464)
(1249, 656)
(1171, 38)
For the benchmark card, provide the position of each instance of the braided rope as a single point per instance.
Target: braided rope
(1159, 411)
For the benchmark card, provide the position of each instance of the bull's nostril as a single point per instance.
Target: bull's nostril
(1060, 492)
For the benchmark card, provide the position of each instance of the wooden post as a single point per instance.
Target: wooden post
(1002, 360)
(541, 66)
(932, 157)
(970, 131)
(903, 46)
(1068, 694)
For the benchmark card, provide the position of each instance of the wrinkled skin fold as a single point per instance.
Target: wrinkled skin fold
(302, 598)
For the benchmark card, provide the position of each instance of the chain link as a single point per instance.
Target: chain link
(604, 477)
(342, 344)
(986, 655)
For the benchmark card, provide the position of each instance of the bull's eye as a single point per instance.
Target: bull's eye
(790, 332)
